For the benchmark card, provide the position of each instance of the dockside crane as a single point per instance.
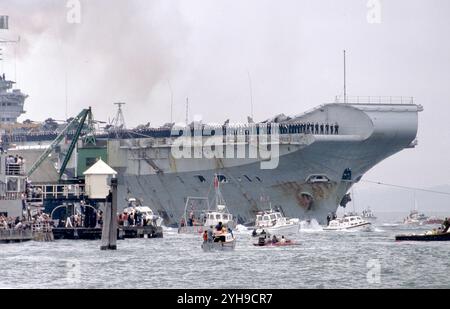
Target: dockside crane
(79, 122)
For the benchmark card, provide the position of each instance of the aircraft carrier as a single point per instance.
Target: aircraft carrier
(322, 153)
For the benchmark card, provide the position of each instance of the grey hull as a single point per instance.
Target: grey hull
(369, 133)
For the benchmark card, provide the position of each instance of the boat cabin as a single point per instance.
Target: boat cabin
(268, 218)
(220, 215)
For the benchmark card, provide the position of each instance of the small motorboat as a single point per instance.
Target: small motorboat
(273, 222)
(429, 236)
(415, 218)
(348, 223)
(267, 242)
(433, 220)
(195, 222)
(368, 215)
(223, 241)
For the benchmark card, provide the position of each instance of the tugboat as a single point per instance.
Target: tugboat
(348, 223)
(274, 222)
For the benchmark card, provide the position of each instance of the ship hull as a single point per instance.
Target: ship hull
(308, 181)
(371, 133)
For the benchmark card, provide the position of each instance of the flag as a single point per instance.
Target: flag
(4, 22)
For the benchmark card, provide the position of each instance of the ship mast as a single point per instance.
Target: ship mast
(345, 78)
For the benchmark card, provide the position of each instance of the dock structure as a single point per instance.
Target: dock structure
(78, 233)
(139, 232)
(11, 236)
(37, 232)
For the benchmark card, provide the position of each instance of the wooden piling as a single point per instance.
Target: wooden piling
(110, 225)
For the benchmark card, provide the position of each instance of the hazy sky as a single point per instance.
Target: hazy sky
(129, 51)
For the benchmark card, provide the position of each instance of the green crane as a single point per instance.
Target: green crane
(80, 120)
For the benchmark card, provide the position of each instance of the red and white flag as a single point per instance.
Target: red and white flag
(216, 182)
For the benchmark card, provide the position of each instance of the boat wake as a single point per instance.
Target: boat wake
(378, 230)
(391, 224)
(310, 226)
(242, 229)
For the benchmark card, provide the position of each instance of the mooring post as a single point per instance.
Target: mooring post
(109, 231)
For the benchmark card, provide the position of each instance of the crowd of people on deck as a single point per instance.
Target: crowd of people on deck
(14, 165)
(87, 218)
(27, 222)
(267, 128)
(317, 128)
(133, 218)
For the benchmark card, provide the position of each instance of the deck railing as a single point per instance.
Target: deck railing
(53, 191)
(374, 100)
(15, 169)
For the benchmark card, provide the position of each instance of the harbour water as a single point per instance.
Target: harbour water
(322, 260)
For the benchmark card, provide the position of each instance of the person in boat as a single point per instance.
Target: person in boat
(274, 239)
(328, 219)
(205, 236)
(261, 241)
(219, 227)
(230, 231)
(210, 235)
(283, 240)
(191, 218)
(263, 232)
(254, 233)
(445, 225)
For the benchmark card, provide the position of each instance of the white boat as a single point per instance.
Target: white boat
(197, 220)
(367, 214)
(147, 214)
(415, 218)
(223, 240)
(273, 222)
(348, 223)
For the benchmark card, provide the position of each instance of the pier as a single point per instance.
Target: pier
(40, 233)
(139, 232)
(11, 236)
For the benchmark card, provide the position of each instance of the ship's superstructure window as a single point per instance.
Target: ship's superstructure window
(317, 178)
(222, 178)
(200, 178)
